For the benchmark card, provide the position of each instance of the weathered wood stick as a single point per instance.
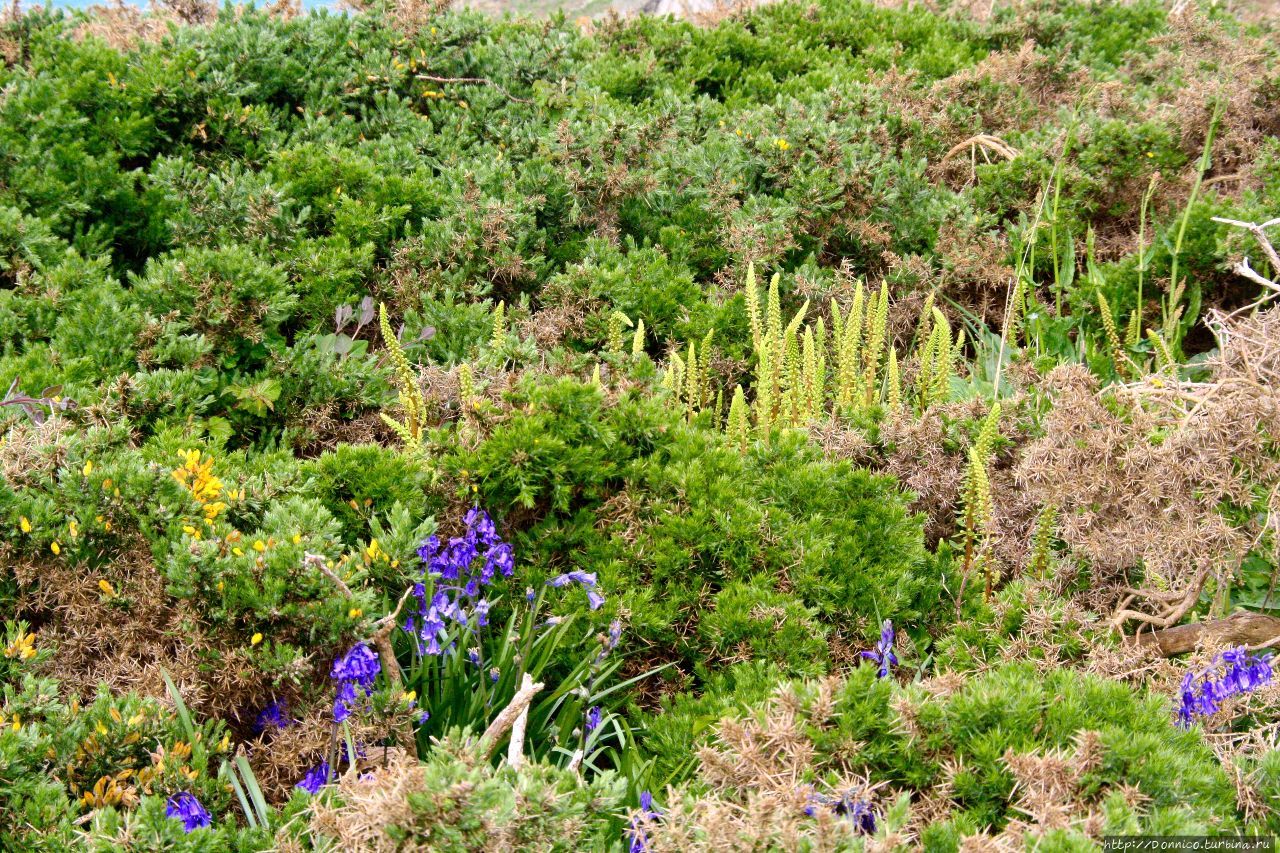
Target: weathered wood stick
(1239, 629)
(507, 718)
(515, 749)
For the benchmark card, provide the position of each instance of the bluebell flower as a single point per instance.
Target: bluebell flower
(593, 719)
(429, 548)
(358, 668)
(317, 777)
(185, 807)
(360, 665)
(482, 612)
(857, 810)
(610, 641)
(883, 653)
(586, 580)
(343, 701)
(529, 594)
(275, 715)
(480, 527)
(456, 564)
(502, 559)
(576, 576)
(639, 840)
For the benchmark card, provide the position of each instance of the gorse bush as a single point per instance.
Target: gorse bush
(363, 371)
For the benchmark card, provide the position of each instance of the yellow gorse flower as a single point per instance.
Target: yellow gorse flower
(24, 524)
(106, 587)
(255, 639)
(197, 475)
(23, 647)
(374, 552)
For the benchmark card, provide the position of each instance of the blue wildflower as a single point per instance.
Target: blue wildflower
(610, 641)
(502, 559)
(883, 653)
(358, 668)
(639, 840)
(857, 810)
(275, 715)
(429, 548)
(586, 580)
(317, 777)
(593, 719)
(576, 576)
(360, 665)
(1201, 694)
(185, 807)
(455, 563)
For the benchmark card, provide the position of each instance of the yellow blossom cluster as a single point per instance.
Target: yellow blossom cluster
(197, 475)
(23, 648)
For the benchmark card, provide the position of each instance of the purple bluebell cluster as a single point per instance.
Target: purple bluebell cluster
(586, 580)
(883, 652)
(593, 718)
(857, 810)
(1230, 674)
(637, 837)
(317, 777)
(354, 673)
(275, 715)
(460, 569)
(185, 807)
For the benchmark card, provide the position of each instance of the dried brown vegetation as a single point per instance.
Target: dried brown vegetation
(1142, 474)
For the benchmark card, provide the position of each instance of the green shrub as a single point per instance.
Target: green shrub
(838, 538)
(354, 481)
(233, 296)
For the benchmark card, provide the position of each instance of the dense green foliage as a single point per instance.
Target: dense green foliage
(219, 459)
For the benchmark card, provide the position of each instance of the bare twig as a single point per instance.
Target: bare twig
(318, 561)
(1258, 230)
(985, 141)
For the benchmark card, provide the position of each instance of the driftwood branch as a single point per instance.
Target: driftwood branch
(507, 718)
(515, 749)
(1245, 628)
(479, 81)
